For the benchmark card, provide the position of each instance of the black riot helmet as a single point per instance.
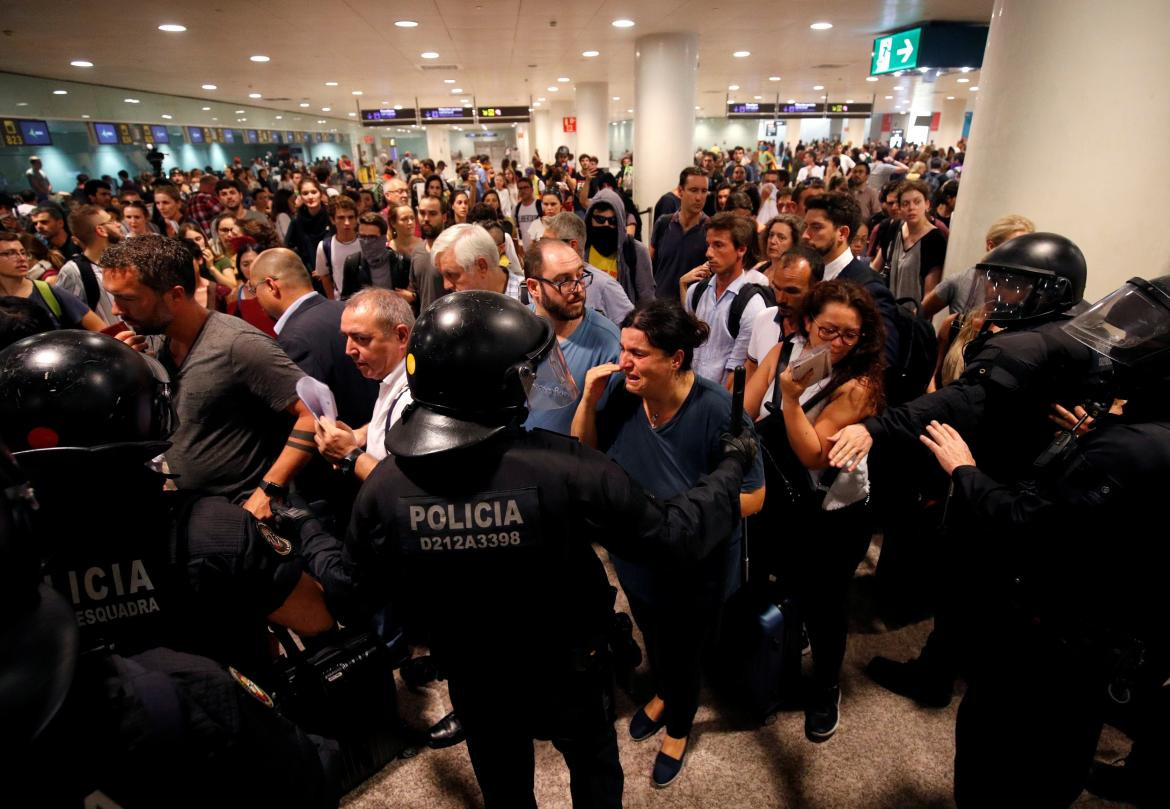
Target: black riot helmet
(477, 362)
(1030, 279)
(38, 632)
(1130, 326)
(80, 389)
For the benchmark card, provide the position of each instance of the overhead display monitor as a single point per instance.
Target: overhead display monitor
(448, 115)
(229, 136)
(277, 136)
(105, 133)
(751, 110)
(194, 135)
(503, 115)
(159, 134)
(935, 45)
(252, 136)
(802, 108)
(389, 117)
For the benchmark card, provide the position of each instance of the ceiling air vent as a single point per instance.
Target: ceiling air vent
(433, 68)
(827, 67)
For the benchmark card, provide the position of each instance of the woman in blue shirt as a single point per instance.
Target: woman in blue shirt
(662, 423)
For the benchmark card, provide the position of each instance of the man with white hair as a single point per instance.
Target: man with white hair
(467, 258)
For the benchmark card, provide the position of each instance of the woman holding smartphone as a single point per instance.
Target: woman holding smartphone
(824, 526)
(662, 423)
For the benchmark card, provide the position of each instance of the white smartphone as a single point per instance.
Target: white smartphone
(812, 365)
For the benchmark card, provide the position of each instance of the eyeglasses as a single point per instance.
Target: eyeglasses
(569, 284)
(13, 254)
(605, 221)
(830, 333)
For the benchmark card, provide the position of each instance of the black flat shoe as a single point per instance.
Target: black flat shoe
(447, 732)
(642, 727)
(667, 769)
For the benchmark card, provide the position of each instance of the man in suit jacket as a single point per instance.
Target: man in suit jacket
(830, 220)
(308, 328)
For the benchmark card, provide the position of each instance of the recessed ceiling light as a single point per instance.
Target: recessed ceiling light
(255, 95)
(950, 98)
(965, 70)
(456, 90)
(590, 54)
(631, 109)
(974, 89)
(448, 81)
(60, 92)
(464, 101)
(352, 114)
(327, 109)
(239, 112)
(280, 117)
(563, 79)
(698, 108)
(322, 121)
(542, 98)
(397, 106)
(757, 98)
(259, 58)
(773, 78)
(741, 54)
(536, 103)
(818, 87)
(617, 98)
(355, 92)
(849, 101)
(85, 115)
(209, 87)
(871, 78)
(790, 101)
(215, 119)
(429, 55)
(304, 103)
(962, 81)
(81, 63)
(22, 103)
(889, 98)
(924, 70)
(206, 109)
(172, 28)
(552, 88)
(131, 100)
(406, 24)
(821, 26)
(622, 23)
(167, 117)
(733, 87)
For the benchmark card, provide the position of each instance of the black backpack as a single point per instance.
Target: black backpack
(908, 377)
(742, 299)
(93, 290)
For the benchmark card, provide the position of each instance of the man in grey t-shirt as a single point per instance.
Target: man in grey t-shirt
(235, 389)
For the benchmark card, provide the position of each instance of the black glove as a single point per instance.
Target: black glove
(742, 448)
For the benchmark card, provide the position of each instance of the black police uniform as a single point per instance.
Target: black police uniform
(488, 548)
(1074, 579)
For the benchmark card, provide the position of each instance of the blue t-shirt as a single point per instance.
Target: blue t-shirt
(594, 342)
(667, 461)
(73, 308)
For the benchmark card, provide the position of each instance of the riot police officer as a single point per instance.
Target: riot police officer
(1030, 286)
(159, 728)
(85, 415)
(1077, 598)
(481, 532)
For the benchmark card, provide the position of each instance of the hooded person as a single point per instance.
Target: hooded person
(608, 247)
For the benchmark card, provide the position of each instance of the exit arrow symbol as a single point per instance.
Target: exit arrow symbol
(905, 50)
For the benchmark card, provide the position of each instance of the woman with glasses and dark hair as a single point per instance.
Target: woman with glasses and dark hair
(819, 516)
(662, 423)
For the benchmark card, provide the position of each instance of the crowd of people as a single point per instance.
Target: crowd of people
(815, 268)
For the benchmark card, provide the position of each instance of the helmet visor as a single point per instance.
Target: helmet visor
(1004, 295)
(547, 381)
(1128, 325)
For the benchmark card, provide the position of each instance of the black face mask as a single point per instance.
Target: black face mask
(604, 240)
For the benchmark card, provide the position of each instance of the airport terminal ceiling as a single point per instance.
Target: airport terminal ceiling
(337, 56)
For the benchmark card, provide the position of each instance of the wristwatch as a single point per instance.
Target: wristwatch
(273, 490)
(346, 465)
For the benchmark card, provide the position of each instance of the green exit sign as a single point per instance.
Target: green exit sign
(895, 52)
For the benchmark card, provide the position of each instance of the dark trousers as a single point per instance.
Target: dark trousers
(677, 634)
(817, 570)
(571, 709)
(1028, 725)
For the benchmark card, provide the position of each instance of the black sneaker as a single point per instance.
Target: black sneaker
(823, 714)
(913, 680)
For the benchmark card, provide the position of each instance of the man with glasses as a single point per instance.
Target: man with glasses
(603, 293)
(677, 241)
(557, 279)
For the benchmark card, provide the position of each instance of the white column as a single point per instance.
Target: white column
(921, 104)
(950, 124)
(523, 133)
(439, 144)
(793, 132)
(593, 120)
(665, 73)
(559, 111)
(542, 133)
(855, 130)
(1046, 63)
